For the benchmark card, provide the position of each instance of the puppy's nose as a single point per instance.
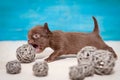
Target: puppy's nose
(30, 41)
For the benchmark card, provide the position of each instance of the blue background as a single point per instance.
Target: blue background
(18, 16)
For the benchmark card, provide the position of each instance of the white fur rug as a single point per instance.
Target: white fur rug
(58, 70)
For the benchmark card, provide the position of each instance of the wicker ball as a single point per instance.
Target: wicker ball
(25, 53)
(86, 54)
(76, 73)
(40, 68)
(88, 69)
(13, 67)
(104, 62)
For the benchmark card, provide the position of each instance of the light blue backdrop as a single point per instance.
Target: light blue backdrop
(18, 16)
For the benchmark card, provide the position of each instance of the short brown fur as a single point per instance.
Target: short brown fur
(64, 43)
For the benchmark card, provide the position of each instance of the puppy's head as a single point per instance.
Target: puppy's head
(38, 37)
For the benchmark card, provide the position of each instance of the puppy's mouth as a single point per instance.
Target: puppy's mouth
(38, 49)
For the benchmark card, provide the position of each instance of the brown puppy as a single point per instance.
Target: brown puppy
(65, 42)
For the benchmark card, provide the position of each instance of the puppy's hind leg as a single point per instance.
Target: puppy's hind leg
(111, 50)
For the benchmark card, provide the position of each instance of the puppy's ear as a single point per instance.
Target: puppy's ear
(46, 28)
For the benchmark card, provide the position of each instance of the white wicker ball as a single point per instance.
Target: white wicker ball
(88, 69)
(40, 68)
(25, 53)
(86, 54)
(76, 73)
(104, 62)
(13, 67)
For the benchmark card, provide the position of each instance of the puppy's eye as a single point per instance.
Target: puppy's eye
(36, 36)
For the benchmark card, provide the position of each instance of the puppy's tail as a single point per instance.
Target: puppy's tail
(96, 28)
